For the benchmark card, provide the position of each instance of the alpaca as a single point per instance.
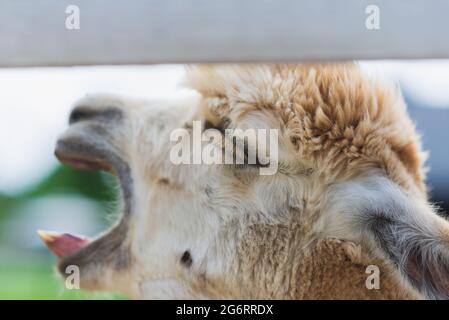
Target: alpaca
(349, 194)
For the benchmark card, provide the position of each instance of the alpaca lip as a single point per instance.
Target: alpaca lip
(86, 153)
(83, 163)
(63, 244)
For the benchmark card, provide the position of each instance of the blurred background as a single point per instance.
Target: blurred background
(38, 193)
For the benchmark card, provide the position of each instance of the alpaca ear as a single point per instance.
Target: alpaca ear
(400, 228)
(412, 237)
(419, 252)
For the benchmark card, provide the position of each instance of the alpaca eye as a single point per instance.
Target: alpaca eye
(209, 125)
(221, 126)
(256, 163)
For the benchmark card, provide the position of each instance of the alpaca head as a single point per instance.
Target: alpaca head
(348, 166)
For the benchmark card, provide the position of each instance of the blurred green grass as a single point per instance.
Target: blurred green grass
(27, 276)
(40, 282)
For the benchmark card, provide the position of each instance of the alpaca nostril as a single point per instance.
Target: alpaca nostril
(79, 114)
(83, 113)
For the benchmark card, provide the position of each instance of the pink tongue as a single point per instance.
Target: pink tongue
(63, 244)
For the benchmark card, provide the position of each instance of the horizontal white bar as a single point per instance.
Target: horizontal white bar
(34, 33)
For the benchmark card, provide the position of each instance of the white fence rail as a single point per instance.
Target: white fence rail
(34, 33)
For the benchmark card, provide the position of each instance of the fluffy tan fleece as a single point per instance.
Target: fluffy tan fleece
(340, 123)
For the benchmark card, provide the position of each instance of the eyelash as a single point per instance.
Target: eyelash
(257, 164)
(209, 125)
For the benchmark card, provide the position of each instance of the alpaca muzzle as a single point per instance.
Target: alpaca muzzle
(91, 143)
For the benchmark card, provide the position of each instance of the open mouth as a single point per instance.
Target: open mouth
(86, 156)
